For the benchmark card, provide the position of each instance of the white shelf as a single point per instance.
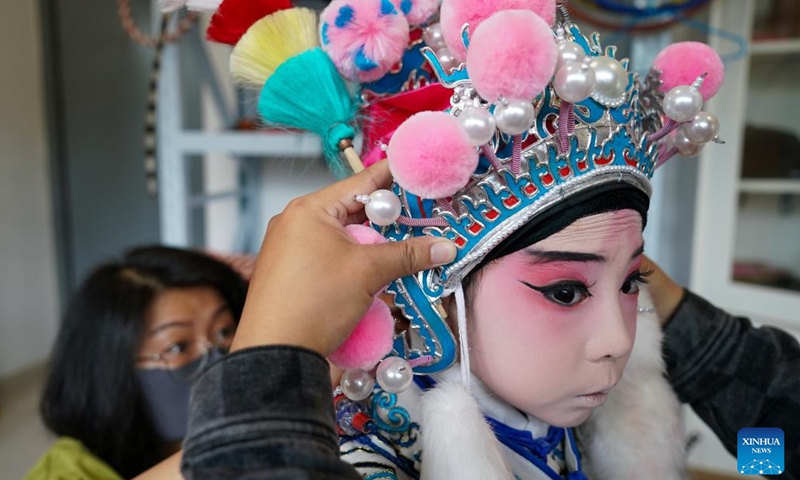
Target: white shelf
(775, 47)
(774, 187)
(250, 143)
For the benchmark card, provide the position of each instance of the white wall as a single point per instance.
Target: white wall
(278, 180)
(285, 179)
(28, 293)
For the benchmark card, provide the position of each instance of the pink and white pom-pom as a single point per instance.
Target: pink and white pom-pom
(522, 70)
(369, 342)
(364, 38)
(682, 63)
(417, 12)
(455, 13)
(431, 156)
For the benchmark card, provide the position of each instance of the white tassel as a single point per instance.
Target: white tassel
(208, 6)
(169, 6)
(456, 440)
(463, 343)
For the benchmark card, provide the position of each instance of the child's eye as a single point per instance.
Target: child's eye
(566, 294)
(631, 285)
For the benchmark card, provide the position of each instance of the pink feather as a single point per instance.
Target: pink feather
(364, 38)
(430, 155)
(681, 63)
(369, 342)
(521, 72)
(455, 13)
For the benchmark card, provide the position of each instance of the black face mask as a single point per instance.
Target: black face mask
(167, 396)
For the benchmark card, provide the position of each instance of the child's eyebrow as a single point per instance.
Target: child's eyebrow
(545, 256)
(549, 256)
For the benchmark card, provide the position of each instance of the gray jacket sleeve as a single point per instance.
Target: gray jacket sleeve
(264, 413)
(735, 375)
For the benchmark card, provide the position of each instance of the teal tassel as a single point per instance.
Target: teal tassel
(306, 92)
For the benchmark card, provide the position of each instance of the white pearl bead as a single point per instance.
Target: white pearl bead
(685, 146)
(357, 384)
(611, 81)
(447, 60)
(383, 208)
(682, 103)
(514, 117)
(702, 129)
(574, 82)
(568, 52)
(433, 37)
(394, 374)
(479, 125)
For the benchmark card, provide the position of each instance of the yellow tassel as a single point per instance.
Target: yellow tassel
(270, 42)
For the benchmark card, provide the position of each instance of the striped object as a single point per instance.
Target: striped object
(135, 34)
(150, 124)
(164, 37)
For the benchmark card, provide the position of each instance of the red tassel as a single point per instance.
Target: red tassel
(234, 17)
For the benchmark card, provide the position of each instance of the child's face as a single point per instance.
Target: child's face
(552, 325)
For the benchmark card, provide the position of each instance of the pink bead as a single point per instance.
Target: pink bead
(369, 342)
(430, 155)
(364, 38)
(521, 72)
(455, 13)
(681, 63)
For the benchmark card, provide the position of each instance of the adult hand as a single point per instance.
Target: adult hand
(312, 283)
(666, 294)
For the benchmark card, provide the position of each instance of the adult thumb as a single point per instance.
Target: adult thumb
(397, 259)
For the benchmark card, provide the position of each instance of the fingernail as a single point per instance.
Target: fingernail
(443, 252)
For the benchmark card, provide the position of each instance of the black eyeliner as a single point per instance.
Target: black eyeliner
(552, 287)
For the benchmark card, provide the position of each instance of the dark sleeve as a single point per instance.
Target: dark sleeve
(735, 375)
(264, 413)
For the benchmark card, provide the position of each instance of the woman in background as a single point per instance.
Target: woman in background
(135, 336)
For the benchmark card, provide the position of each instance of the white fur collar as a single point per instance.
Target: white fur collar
(639, 429)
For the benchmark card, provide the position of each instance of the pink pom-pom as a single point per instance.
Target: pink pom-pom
(521, 72)
(365, 235)
(455, 13)
(364, 38)
(431, 156)
(369, 342)
(417, 12)
(681, 63)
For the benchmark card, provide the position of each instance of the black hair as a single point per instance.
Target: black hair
(91, 393)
